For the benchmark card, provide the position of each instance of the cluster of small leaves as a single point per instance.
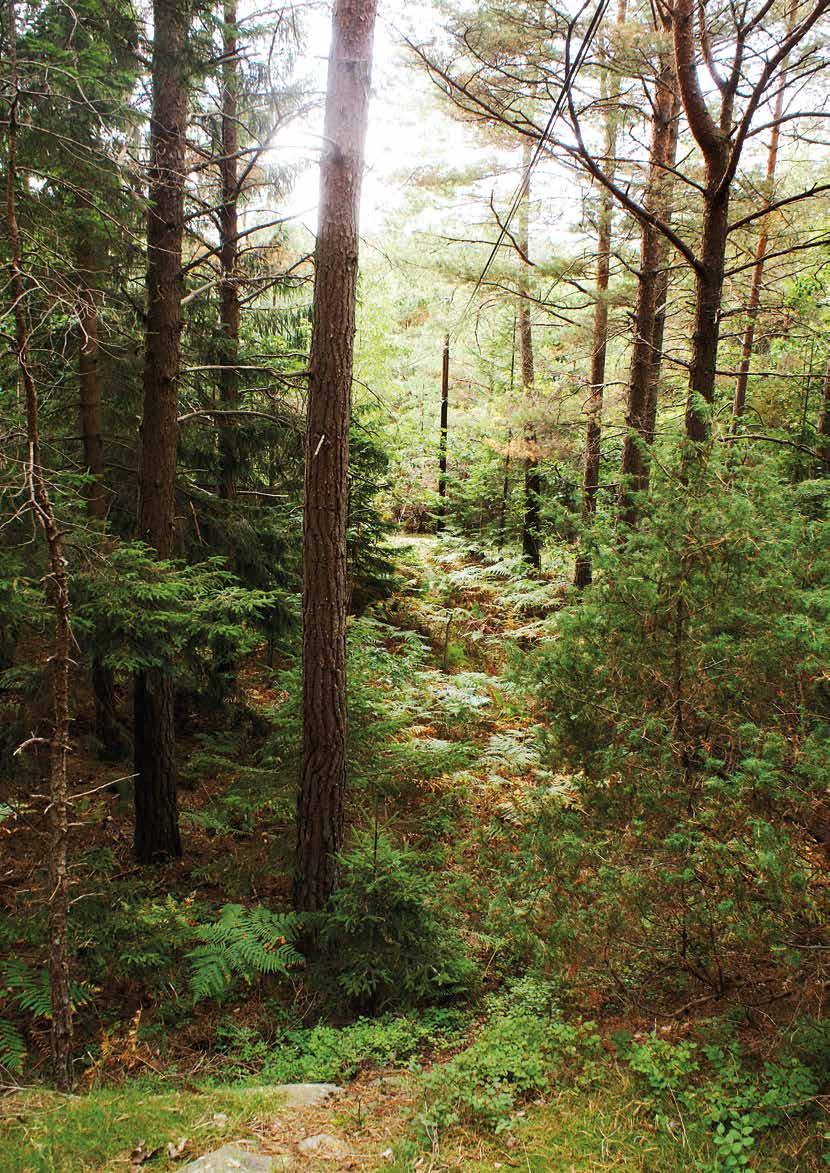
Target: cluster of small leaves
(522, 1048)
(717, 1092)
(329, 1053)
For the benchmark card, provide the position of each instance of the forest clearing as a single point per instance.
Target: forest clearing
(414, 585)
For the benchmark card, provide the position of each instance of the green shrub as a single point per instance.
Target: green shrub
(387, 939)
(720, 1096)
(684, 691)
(522, 1048)
(330, 1053)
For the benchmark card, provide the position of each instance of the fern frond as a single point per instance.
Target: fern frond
(244, 943)
(12, 1048)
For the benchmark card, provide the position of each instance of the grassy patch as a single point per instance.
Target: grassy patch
(43, 1132)
(608, 1126)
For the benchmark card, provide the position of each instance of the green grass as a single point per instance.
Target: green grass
(610, 1126)
(44, 1132)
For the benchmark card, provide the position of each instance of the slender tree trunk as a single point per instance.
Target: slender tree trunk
(593, 432)
(824, 422)
(442, 435)
(754, 301)
(652, 290)
(531, 525)
(229, 314)
(156, 808)
(107, 727)
(58, 593)
(505, 492)
(505, 489)
(320, 815)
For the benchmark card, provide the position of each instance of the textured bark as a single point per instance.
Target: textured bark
(652, 290)
(57, 588)
(599, 347)
(442, 434)
(89, 383)
(107, 727)
(229, 313)
(754, 300)
(824, 422)
(320, 816)
(505, 492)
(531, 524)
(714, 142)
(156, 814)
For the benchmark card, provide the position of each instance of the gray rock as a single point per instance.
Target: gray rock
(305, 1095)
(232, 1158)
(323, 1145)
(299, 1095)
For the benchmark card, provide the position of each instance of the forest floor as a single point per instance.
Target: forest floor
(161, 1091)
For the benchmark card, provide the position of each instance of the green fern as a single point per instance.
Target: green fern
(12, 1048)
(31, 991)
(242, 943)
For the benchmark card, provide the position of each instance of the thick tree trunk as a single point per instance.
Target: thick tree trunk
(57, 587)
(714, 142)
(599, 348)
(652, 290)
(107, 727)
(531, 524)
(320, 816)
(229, 314)
(442, 434)
(156, 814)
(708, 296)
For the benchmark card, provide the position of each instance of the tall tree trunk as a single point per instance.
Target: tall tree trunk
(714, 141)
(442, 434)
(505, 488)
(824, 422)
(531, 524)
(754, 300)
(58, 593)
(156, 807)
(320, 815)
(593, 432)
(229, 259)
(652, 290)
(107, 727)
(708, 296)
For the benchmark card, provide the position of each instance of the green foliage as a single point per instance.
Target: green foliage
(718, 1093)
(386, 937)
(241, 943)
(324, 1053)
(138, 612)
(12, 1047)
(522, 1049)
(26, 993)
(685, 693)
